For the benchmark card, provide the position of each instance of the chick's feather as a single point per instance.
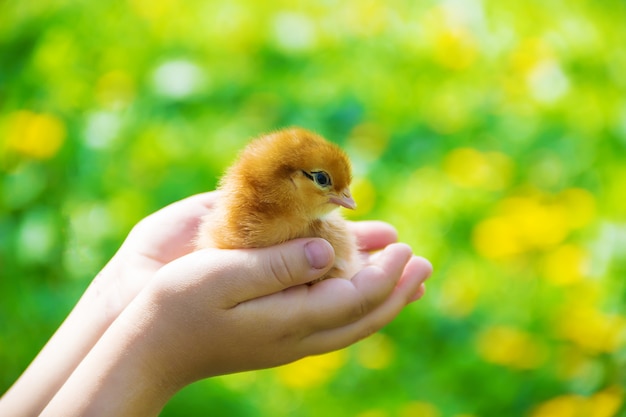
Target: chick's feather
(285, 185)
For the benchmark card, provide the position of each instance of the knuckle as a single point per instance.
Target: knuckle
(370, 298)
(361, 308)
(279, 267)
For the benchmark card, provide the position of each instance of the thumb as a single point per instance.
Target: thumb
(244, 274)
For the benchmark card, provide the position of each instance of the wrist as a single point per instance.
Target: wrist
(124, 373)
(98, 307)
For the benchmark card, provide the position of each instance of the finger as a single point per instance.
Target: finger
(418, 266)
(245, 274)
(306, 310)
(337, 302)
(409, 286)
(373, 235)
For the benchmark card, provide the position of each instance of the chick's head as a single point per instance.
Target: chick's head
(294, 170)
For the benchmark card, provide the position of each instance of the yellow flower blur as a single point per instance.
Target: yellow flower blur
(419, 409)
(511, 347)
(311, 371)
(469, 168)
(605, 403)
(567, 264)
(38, 136)
(375, 352)
(534, 222)
(591, 329)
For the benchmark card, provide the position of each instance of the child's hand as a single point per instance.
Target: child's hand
(160, 316)
(222, 311)
(213, 312)
(153, 242)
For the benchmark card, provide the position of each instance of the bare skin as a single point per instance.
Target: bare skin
(160, 316)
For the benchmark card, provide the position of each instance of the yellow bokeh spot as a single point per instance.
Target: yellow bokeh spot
(115, 88)
(538, 224)
(562, 406)
(528, 223)
(565, 265)
(154, 12)
(496, 238)
(529, 53)
(375, 352)
(455, 50)
(511, 347)
(454, 45)
(591, 329)
(311, 371)
(469, 168)
(364, 194)
(419, 409)
(35, 135)
(366, 18)
(605, 403)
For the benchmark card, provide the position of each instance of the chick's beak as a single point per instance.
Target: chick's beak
(343, 199)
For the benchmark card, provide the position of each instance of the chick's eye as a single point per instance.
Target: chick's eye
(321, 178)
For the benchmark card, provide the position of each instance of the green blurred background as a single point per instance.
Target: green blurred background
(491, 134)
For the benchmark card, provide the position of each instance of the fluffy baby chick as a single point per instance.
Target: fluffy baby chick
(285, 185)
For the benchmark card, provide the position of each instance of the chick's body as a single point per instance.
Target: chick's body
(283, 186)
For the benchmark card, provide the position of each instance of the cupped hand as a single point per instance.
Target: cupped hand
(216, 311)
(183, 315)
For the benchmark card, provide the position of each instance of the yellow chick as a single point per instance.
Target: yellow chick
(285, 185)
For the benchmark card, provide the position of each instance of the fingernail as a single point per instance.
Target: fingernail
(318, 253)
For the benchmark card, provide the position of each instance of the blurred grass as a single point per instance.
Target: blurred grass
(491, 134)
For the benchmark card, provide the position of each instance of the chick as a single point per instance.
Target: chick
(285, 185)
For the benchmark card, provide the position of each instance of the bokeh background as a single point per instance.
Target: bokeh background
(491, 134)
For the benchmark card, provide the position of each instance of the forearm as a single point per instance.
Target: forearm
(80, 331)
(155, 241)
(210, 313)
(122, 375)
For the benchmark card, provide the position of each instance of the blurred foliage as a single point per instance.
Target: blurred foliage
(491, 134)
